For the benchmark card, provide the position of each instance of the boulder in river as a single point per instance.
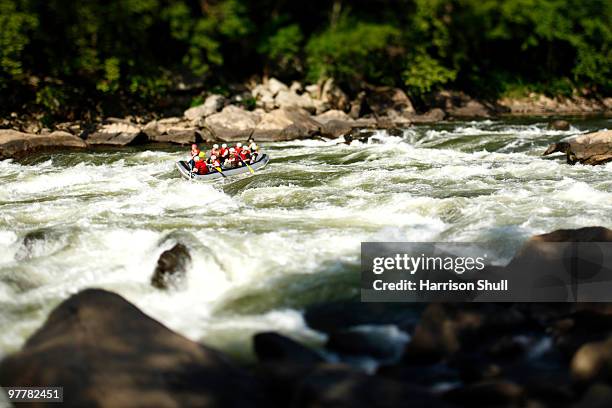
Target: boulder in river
(591, 148)
(15, 144)
(232, 124)
(559, 124)
(389, 102)
(213, 104)
(335, 123)
(116, 133)
(171, 267)
(286, 124)
(173, 130)
(431, 116)
(105, 352)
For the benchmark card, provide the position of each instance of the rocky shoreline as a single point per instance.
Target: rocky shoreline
(273, 111)
(107, 353)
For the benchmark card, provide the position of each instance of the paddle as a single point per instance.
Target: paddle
(250, 168)
(219, 170)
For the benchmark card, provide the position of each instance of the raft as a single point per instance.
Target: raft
(183, 168)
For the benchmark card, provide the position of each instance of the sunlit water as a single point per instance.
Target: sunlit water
(266, 246)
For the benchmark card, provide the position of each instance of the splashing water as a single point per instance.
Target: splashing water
(265, 246)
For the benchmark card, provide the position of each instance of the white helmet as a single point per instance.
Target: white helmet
(215, 146)
(224, 145)
(196, 158)
(238, 144)
(232, 150)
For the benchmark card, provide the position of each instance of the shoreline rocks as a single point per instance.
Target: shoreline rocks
(14, 144)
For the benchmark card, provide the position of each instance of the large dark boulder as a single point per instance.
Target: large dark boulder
(14, 145)
(105, 352)
(340, 386)
(592, 148)
(270, 346)
(171, 267)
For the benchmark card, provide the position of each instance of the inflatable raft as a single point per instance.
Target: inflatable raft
(183, 168)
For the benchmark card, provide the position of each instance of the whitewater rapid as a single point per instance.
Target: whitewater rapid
(264, 247)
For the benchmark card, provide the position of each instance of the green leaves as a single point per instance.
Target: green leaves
(352, 51)
(15, 34)
(425, 73)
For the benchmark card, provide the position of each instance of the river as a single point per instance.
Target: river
(265, 246)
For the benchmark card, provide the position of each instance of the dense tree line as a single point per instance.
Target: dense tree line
(58, 53)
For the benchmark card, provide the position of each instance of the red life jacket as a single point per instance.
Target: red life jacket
(238, 150)
(244, 155)
(223, 152)
(201, 167)
(215, 163)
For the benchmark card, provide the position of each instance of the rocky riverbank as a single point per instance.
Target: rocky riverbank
(436, 355)
(273, 111)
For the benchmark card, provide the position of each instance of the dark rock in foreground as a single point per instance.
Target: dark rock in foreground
(270, 346)
(592, 148)
(107, 353)
(15, 144)
(171, 267)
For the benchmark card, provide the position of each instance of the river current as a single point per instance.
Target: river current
(266, 246)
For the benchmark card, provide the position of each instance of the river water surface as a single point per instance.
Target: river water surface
(265, 246)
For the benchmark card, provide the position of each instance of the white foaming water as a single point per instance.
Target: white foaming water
(266, 246)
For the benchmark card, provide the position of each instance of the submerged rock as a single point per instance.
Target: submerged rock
(15, 144)
(592, 148)
(96, 341)
(559, 124)
(171, 267)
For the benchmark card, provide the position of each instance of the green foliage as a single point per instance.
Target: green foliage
(352, 52)
(15, 34)
(283, 47)
(60, 53)
(425, 73)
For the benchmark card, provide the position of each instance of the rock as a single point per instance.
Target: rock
(335, 123)
(15, 144)
(339, 386)
(592, 148)
(213, 104)
(97, 341)
(381, 342)
(539, 104)
(458, 104)
(495, 393)
(288, 99)
(592, 362)
(275, 86)
(432, 116)
(173, 130)
(333, 316)
(447, 329)
(333, 114)
(386, 101)
(559, 125)
(472, 109)
(171, 267)
(286, 124)
(333, 96)
(116, 133)
(358, 106)
(295, 87)
(597, 396)
(336, 128)
(232, 124)
(270, 346)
